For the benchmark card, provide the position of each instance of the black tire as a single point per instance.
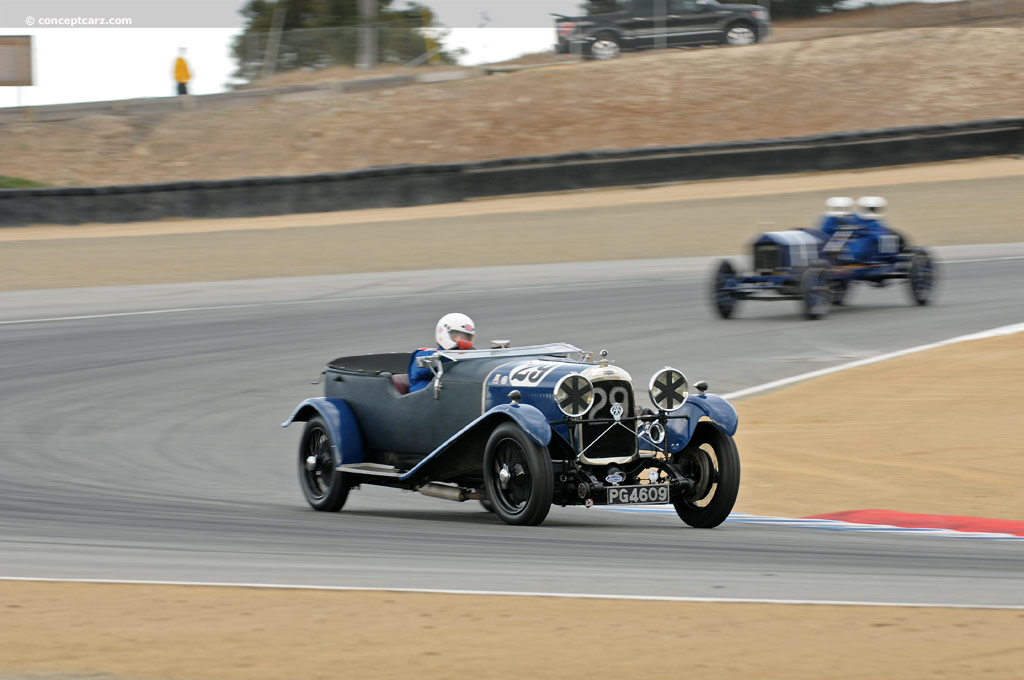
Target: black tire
(524, 496)
(487, 505)
(921, 276)
(724, 301)
(740, 33)
(839, 291)
(325, 488)
(815, 291)
(605, 46)
(712, 460)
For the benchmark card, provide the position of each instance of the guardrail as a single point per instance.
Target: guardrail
(412, 185)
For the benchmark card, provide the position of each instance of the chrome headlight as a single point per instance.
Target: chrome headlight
(668, 389)
(574, 395)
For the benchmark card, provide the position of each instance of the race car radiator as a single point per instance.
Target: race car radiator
(767, 257)
(609, 428)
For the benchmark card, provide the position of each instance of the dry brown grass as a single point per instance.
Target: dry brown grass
(859, 81)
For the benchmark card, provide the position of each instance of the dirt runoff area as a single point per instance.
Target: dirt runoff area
(799, 458)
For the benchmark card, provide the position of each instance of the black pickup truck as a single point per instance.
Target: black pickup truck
(645, 24)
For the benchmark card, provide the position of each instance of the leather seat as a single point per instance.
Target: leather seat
(401, 382)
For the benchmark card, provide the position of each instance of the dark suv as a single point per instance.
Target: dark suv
(644, 24)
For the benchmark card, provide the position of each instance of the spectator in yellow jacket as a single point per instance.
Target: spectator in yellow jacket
(181, 73)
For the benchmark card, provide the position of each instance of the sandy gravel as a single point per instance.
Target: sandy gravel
(140, 632)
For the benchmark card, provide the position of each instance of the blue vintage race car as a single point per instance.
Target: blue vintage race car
(817, 266)
(519, 428)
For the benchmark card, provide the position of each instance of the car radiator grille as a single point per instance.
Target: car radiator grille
(611, 440)
(767, 257)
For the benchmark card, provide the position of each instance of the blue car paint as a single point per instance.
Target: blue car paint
(347, 442)
(529, 418)
(680, 430)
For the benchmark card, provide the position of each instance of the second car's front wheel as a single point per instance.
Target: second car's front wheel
(518, 476)
(722, 295)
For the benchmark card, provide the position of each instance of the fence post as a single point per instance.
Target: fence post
(367, 54)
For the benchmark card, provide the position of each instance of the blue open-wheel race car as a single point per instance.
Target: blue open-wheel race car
(816, 266)
(518, 429)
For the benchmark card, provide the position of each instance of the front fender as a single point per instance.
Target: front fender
(464, 450)
(347, 441)
(720, 411)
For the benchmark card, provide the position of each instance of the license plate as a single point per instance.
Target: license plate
(641, 493)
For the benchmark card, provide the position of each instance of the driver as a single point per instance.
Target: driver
(454, 331)
(838, 213)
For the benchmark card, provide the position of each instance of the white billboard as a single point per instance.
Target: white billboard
(15, 60)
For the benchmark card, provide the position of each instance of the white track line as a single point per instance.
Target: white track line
(588, 596)
(994, 332)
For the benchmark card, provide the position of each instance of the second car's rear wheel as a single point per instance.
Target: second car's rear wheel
(815, 291)
(518, 476)
(839, 290)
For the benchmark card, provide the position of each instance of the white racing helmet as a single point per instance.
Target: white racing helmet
(871, 206)
(839, 206)
(455, 323)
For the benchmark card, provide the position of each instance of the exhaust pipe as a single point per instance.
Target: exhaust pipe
(449, 492)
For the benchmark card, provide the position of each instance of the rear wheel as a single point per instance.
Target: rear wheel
(605, 46)
(324, 487)
(712, 461)
(518, 476)
(839, 291)
(921, 276)
(815, 291)
(724, 299)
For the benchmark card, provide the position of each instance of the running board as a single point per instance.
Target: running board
(375, 469)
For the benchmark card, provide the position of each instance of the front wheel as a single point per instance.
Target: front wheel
(740, 34)
(921, 275)
(324, 487)
(722, 297)
(518, 476)
(713, 463)
(816, 292)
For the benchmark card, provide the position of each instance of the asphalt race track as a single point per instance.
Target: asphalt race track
(140, 438)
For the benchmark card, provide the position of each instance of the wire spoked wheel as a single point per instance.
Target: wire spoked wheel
(713, 463)
(324, 487)
(816, 292)
(722, 297)
(518, 476)
(921, 275)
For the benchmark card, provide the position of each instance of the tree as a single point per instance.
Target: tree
(601, 6)
(318, 33)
